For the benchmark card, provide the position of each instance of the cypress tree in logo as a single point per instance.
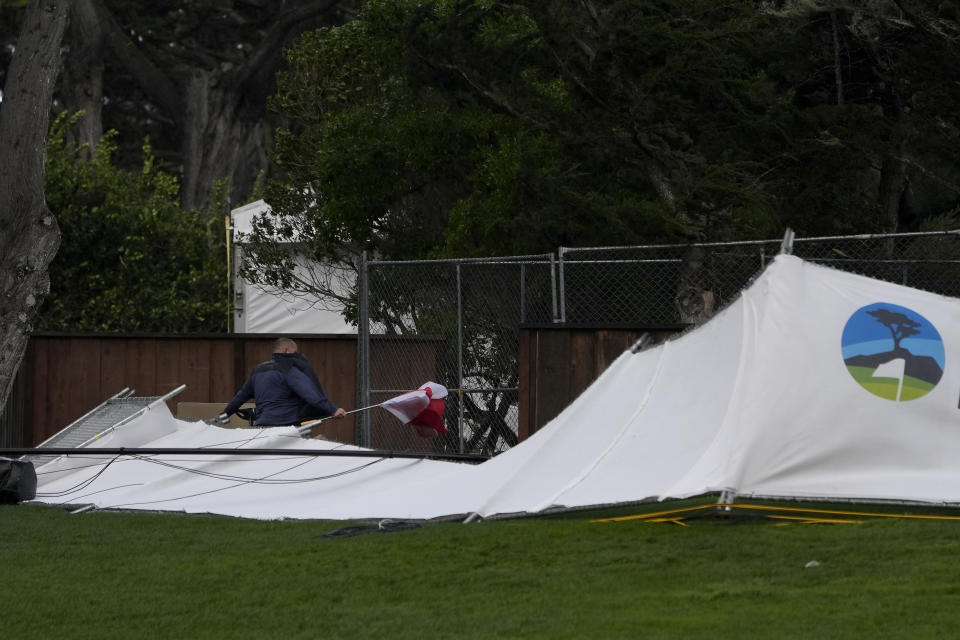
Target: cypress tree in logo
(893, 352)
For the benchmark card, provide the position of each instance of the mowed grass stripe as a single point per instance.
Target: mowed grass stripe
(113, 575)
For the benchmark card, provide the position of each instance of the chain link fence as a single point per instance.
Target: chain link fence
(672, 286)
(457, 322)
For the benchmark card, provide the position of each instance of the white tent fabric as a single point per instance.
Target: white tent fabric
(783, 394)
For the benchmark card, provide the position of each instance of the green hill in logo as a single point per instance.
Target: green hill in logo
(888, 388)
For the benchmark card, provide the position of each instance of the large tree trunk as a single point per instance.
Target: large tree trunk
(219, 113)
(82, 86)
(29, 235)
(893, 173)
(223, 139)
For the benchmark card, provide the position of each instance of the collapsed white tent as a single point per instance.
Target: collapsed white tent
(815, 383)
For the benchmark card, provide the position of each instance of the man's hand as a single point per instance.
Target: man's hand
(340, 413)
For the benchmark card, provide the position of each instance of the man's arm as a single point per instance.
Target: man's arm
(245, 393)
(311, 393)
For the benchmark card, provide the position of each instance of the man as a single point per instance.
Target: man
(285, 389)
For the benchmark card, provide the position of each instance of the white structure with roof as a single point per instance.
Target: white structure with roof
(263, 309)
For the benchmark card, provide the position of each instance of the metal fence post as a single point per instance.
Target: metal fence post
(786, 247)
(523, 296)
(362, 427)
(460, 356)
(563, 294)
(553, 288)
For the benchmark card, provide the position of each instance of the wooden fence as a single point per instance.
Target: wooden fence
(557, 364)
(65, 376)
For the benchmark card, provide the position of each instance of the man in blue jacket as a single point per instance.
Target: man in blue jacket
(285, 389)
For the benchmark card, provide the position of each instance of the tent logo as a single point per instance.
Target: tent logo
(893, 352)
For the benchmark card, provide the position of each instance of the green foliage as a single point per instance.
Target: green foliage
(371, 160)
(130, 259)
(865, 112)
(477, 128)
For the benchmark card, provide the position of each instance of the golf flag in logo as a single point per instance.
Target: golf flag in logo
(422, 409)
(892, 369)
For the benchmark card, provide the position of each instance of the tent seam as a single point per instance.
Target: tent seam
(627, 425)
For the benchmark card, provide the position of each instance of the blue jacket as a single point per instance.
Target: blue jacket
(279, 387)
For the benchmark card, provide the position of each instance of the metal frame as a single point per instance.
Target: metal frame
(45, 451)
(126, 392)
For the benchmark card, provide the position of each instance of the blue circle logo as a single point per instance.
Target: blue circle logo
(893, 352)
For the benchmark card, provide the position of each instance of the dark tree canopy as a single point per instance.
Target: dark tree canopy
(478, 128)
(193, 77)
(899, 325)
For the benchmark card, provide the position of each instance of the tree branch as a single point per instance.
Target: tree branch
(158, 86)
(257, 73)
(932, 27)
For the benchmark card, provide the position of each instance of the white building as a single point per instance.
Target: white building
(263, 309)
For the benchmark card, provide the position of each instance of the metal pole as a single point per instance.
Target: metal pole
(140, 412)
(362, 427)
(553, 286)
(307, 426)
(523, 273)
(786, 247)
(460, 356)
(126, 392)
(217, 451)
(229, 248)
(563, 290)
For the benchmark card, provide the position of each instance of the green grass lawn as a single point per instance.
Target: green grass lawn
(130, 575)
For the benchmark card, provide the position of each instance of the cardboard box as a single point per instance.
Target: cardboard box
(207, 410)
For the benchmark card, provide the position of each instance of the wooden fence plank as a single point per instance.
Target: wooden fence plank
(112, 367)
(553, 376)
(557, 364)
(523, 383)
(221, 384)
(37, 397)
(583, 362)
(193, 370)
(140, 366)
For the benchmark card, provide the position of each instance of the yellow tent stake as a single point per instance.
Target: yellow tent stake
(645, 516)
(816, 520)
(761, 507)
(659, 516)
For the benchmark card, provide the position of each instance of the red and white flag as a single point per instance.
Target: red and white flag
(422, 409)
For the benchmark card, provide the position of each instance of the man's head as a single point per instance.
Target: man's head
(284, 345)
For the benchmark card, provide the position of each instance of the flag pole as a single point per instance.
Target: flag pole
(305, 427)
